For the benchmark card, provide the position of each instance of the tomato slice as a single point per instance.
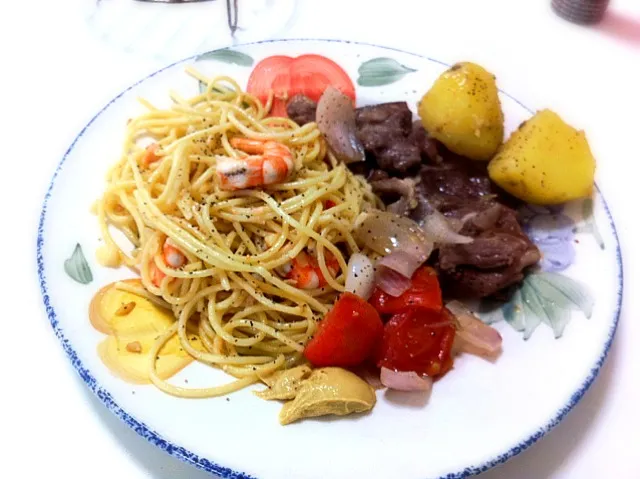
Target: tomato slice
(287, 77)
(312, 74)
(347, 335)
(424, 293)
(418, 340)
(272, 73)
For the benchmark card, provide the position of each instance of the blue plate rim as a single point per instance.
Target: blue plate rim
(202, 463)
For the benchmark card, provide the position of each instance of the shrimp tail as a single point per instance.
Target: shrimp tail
(269, 162)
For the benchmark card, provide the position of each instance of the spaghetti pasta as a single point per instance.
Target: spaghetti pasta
(230, 288)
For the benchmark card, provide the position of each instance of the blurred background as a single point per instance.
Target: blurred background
(170, 30)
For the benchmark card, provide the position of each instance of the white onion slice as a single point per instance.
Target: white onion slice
(473, 336)
(386, 232)
(438, 229)
(360, 276)
(405, 380)
(457, 223)
(487, 218)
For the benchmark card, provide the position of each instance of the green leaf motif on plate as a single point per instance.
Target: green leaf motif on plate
(534, 313)
(513, 312)
(543, 298)
(77, 267)
(577, 294)
(227, 56)
(381, 71)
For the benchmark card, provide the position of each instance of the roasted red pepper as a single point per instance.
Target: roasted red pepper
(424, 293)
(418, 340)
(347, 335)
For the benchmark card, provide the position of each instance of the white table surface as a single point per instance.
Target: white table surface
(56, 74)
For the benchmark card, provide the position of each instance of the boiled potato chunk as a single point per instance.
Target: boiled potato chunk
(462, 110)
(545, 162)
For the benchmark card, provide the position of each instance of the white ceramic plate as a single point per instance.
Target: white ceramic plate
(479, 415)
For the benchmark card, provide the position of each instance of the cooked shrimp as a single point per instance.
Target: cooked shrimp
(306, 273)
(269, 162)
(156, 274)
(171, 256)
(150, 154)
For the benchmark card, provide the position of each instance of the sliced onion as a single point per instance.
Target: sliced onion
(401, 242)
(405, 380)
(360, 276)
(370, 373)
(394, 272)
(487, 218)
(437, 227)
(336, 119)
(401, 262)
(399, 207)
(473, 336)
(391, 282)
(385, 232)
(457, 223)
(439, 230)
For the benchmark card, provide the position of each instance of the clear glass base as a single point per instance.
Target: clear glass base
(175, 31)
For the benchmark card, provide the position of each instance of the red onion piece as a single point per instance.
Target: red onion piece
(391, 282)
(370, 373)
(386, 232)
(401, 242)
(360, 276)
(336, 120)
(394, 272)
(405, 380)
(473, 336)
(401, 262)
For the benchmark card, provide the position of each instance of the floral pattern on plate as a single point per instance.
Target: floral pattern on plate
(381, 71)
(77, 267)
(546, 296)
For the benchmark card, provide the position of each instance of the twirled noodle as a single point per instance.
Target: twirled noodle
(250, 319)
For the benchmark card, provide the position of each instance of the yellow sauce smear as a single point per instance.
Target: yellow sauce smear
(132, 324)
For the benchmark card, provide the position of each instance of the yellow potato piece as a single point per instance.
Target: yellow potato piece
(462, 110)
(545, 162)
(329, 391)
(133, 324)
